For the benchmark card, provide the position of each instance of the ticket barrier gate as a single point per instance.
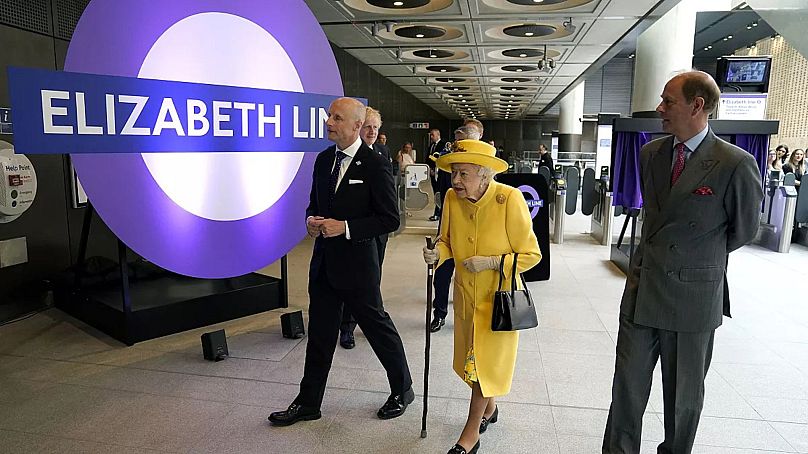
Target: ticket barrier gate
(602, 213)
(411, 197)
(801, 218)
(564, 200)
(779, 209)
(558, 199)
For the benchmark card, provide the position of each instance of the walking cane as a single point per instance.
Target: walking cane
(430, 244)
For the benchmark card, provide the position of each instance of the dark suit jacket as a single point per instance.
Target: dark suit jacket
(546, 160)
(370, 209)
(439, 147)
(382, 150)
(677, 280)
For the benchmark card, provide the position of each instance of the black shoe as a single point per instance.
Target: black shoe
(457, 449)
(486, 421)
(395, 405)
(346, 339)
(434, 218)
(294, 414)
(437, 324)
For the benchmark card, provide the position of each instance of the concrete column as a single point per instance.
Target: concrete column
(665, 49)
(570, 124)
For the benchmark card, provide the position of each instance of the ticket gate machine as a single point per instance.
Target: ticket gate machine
(558, 197)
(779, 209)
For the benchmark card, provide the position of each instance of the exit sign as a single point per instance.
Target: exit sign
(419, 125)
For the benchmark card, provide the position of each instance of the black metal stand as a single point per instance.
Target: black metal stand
(618, 255)
(166, 303)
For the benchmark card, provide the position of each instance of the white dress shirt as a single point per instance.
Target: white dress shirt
(690, 144)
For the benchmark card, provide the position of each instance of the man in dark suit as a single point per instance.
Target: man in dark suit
(352, 202)
(702, 200)
(545, 158)
(368, 134)
(435, 148)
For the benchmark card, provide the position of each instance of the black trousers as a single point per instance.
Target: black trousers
(348, 321)
(325, 307)
(442, 282)
(685, 360)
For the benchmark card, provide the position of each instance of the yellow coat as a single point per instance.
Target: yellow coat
(499, 223)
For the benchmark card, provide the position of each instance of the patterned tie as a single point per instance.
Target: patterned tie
(332, 182)
(679, 165)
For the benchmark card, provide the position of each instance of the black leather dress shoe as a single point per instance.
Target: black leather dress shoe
(294, 414)
(346, 340)
(457, 449)
(437, 324)
(395, 405)
(434, 218)
(486, 421)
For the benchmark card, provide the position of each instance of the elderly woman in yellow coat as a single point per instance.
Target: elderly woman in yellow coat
(482, 220)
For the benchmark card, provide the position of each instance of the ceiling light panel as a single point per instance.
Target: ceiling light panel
(362, 8)
(532, 6)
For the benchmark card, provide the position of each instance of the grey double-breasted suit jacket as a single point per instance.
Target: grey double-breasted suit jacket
(677, 279)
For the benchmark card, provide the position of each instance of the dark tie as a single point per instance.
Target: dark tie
(332, 183)
(679, 164)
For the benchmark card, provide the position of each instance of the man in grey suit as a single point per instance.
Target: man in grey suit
(702, 200)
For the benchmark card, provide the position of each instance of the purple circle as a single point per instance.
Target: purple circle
(113, 37)
(531, 191)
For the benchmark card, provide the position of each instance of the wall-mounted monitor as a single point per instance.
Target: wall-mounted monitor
(746, 74)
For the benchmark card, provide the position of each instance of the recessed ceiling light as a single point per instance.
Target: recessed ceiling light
(523, 55)
(706, 48)
(729, 36)
(754, 24)
(443, 70)
(528, 33)
(518, 70)
(398, 3)
(537, 1)
(419, 35)
(433, 56)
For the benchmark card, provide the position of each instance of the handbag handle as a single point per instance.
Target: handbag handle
(502, 274)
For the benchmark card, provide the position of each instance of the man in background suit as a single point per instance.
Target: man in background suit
(368, 134)
(546, 159)
(436, 147)
(702, 200)
(352, 202)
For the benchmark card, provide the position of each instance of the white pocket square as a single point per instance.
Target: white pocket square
(355, 181)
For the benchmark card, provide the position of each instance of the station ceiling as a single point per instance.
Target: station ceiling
(493, 59)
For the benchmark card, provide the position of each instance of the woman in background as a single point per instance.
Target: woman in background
(782, 153)
(772, 162)
(796, 165)
(404, 156)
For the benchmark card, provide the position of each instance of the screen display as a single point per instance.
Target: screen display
(746, 71)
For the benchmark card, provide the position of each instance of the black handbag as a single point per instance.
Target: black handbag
(514, 309)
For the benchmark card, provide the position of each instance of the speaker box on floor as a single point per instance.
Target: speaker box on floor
(292, 325)
(214, 346)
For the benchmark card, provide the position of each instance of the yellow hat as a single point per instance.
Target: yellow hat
(472, 152)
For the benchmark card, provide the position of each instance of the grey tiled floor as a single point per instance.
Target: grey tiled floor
(64, 387)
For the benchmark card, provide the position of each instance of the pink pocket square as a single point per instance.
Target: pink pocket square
(704, 190)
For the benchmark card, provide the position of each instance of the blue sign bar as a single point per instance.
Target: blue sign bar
(61, 112)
